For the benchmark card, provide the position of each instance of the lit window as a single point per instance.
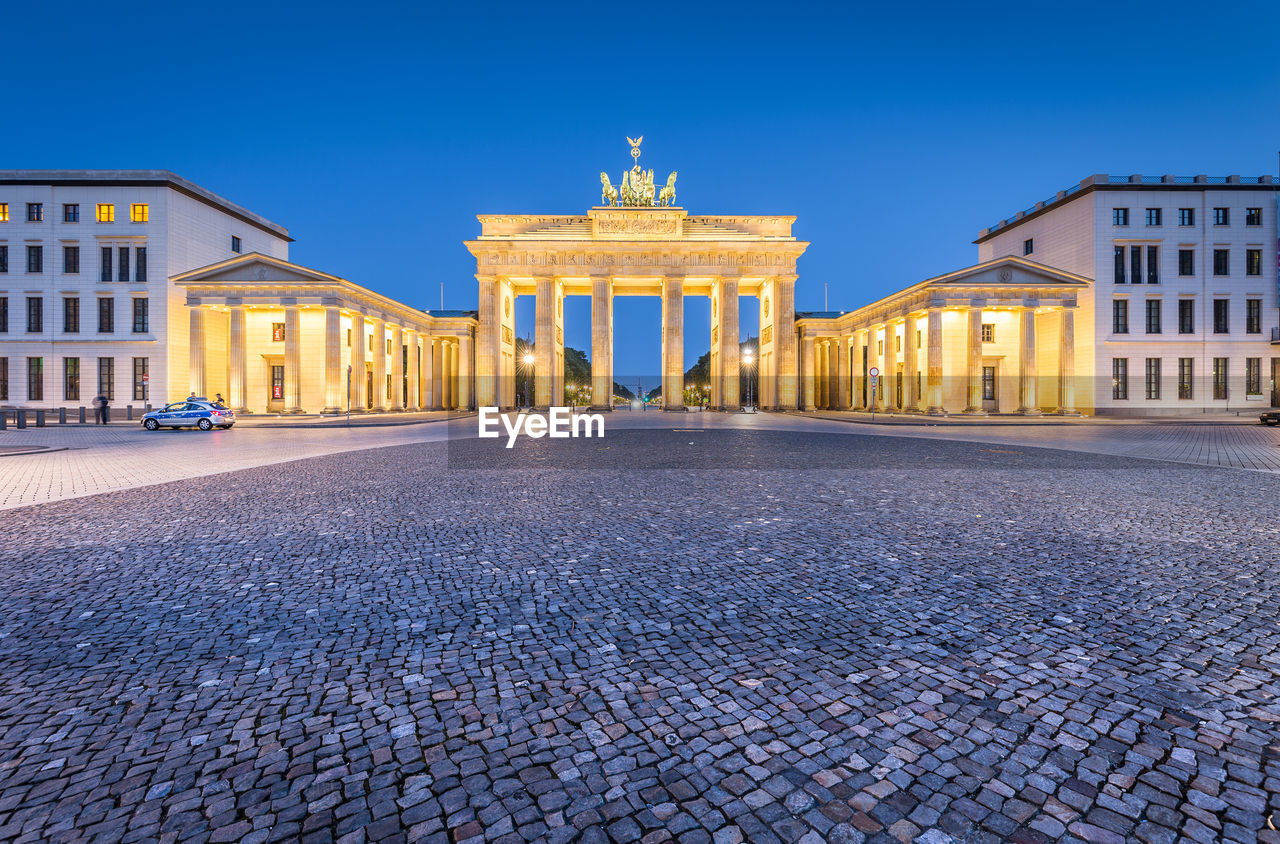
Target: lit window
(4, 212)
(138, 212)
(277, 332)
(988, 332)
(1253, 216)
(35, 212)
(106, 212)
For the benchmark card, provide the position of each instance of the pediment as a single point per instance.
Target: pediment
(1010, 272)
(253, 268)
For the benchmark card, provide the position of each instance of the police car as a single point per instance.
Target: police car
(190, 413)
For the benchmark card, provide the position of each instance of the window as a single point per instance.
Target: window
(140, 324)
(1153, 378)
(35, 214)
(1186, 216)
(4, 258)
(235, 244)
(388, 386)
(1222, 262)
(1120, 378)
(1253, 216)
(1153, 216)
(140, 268)
(138, 212)
(106, 212)
(35, 379)
(71, 315)
(1135, 264)
(71, 259)
(35, 314)
(106, 264)
(348, 338)
(71, 379)
(1186, 369)
(1153, 316)
(1119, 216)
(897, 339)
(106, 315)
(1119, 274)
(1221, 216)
(1221, 316)
(140, 379)
(4, 379)
(1028, 246)
(1253, 262)
(1120, 316)
(277, 332)
(4, 212)
(71, 213)
(107, 378)
(1153, 265)
(35, 259)
(879, 347)
(1186, 316)
(1219, 378)
(1186, 262)
(4, 314)
(1252, 316)
(988, 332)
(123, 273)
(1253, 376)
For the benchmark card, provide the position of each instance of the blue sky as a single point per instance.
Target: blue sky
(894, 132)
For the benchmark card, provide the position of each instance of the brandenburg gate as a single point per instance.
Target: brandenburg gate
(637, 242)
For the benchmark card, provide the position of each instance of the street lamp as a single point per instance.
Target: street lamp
(528, 381)
(747, 362)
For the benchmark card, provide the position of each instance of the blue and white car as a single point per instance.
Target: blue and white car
(190, 413)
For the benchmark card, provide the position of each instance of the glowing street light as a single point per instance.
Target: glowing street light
(748, 361)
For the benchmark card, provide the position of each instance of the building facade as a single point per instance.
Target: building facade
(86, 302)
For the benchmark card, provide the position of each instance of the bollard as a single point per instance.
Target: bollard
(39, 418)
(21, 416)
(82, 416)
(129, 408)
(62, 416)
(106, 414)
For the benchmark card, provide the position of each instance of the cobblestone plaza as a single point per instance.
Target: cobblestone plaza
(784, 630)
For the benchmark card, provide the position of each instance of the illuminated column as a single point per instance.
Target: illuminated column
(1028, 371)
(488, 345)
(557, 350)
(785, 326)
(673, 344)
(379, 365)
(730, 348)
(933, 364)
(465, 372)
(892, 354)
(875, 397)
(292, 360)
(446, 372)
(237, 361)
(858, 364)
(411, 370)
(842, 373)
(436, 372)
(333, 386)
(196, 351)
(808, 375)
(973, 340)
(601, 344)
(396, 400)
(1067, 364)
(823, 397)
(358, 367)
(911, 365)
(544, 342)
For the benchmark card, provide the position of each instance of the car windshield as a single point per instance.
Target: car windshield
(170, 408)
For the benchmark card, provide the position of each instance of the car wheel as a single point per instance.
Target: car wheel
(205, 425)
(150, 424)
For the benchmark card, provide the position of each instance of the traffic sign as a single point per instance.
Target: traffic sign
(146, 379)
(873, 371)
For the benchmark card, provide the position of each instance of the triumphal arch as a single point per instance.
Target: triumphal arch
(637, 242)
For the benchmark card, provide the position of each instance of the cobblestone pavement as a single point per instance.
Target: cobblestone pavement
(977, 643)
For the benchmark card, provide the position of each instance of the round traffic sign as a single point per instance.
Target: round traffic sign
(146, 378)
(873, 371)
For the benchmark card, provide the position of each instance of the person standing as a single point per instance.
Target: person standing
(100, 410)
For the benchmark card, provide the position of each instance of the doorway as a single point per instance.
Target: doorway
(989, 401)
(275, 388)
(368, 387)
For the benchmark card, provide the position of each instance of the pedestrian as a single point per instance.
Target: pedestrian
(192, 396)
(100, 410)
(218, 400)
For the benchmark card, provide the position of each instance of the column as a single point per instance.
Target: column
(356, 371)
(436, 371)
(973, 339)
(464, 372)
(601, 344)
(292, 360)
(933, 364)
(488, 347)
(414, 373)
(1028, 372)
(544, 342)
(1067, 364)
(446, 372)
(910, 365)
(379, 365)
(730, 348)
(858, 363)
(820, 374)
(673, 344)
(196, 351)
(808, 375)
(842, 373)
(237, 362)
(889, 374)
(334, 399)
(785, 343)
(875, 396)
(396, 402)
